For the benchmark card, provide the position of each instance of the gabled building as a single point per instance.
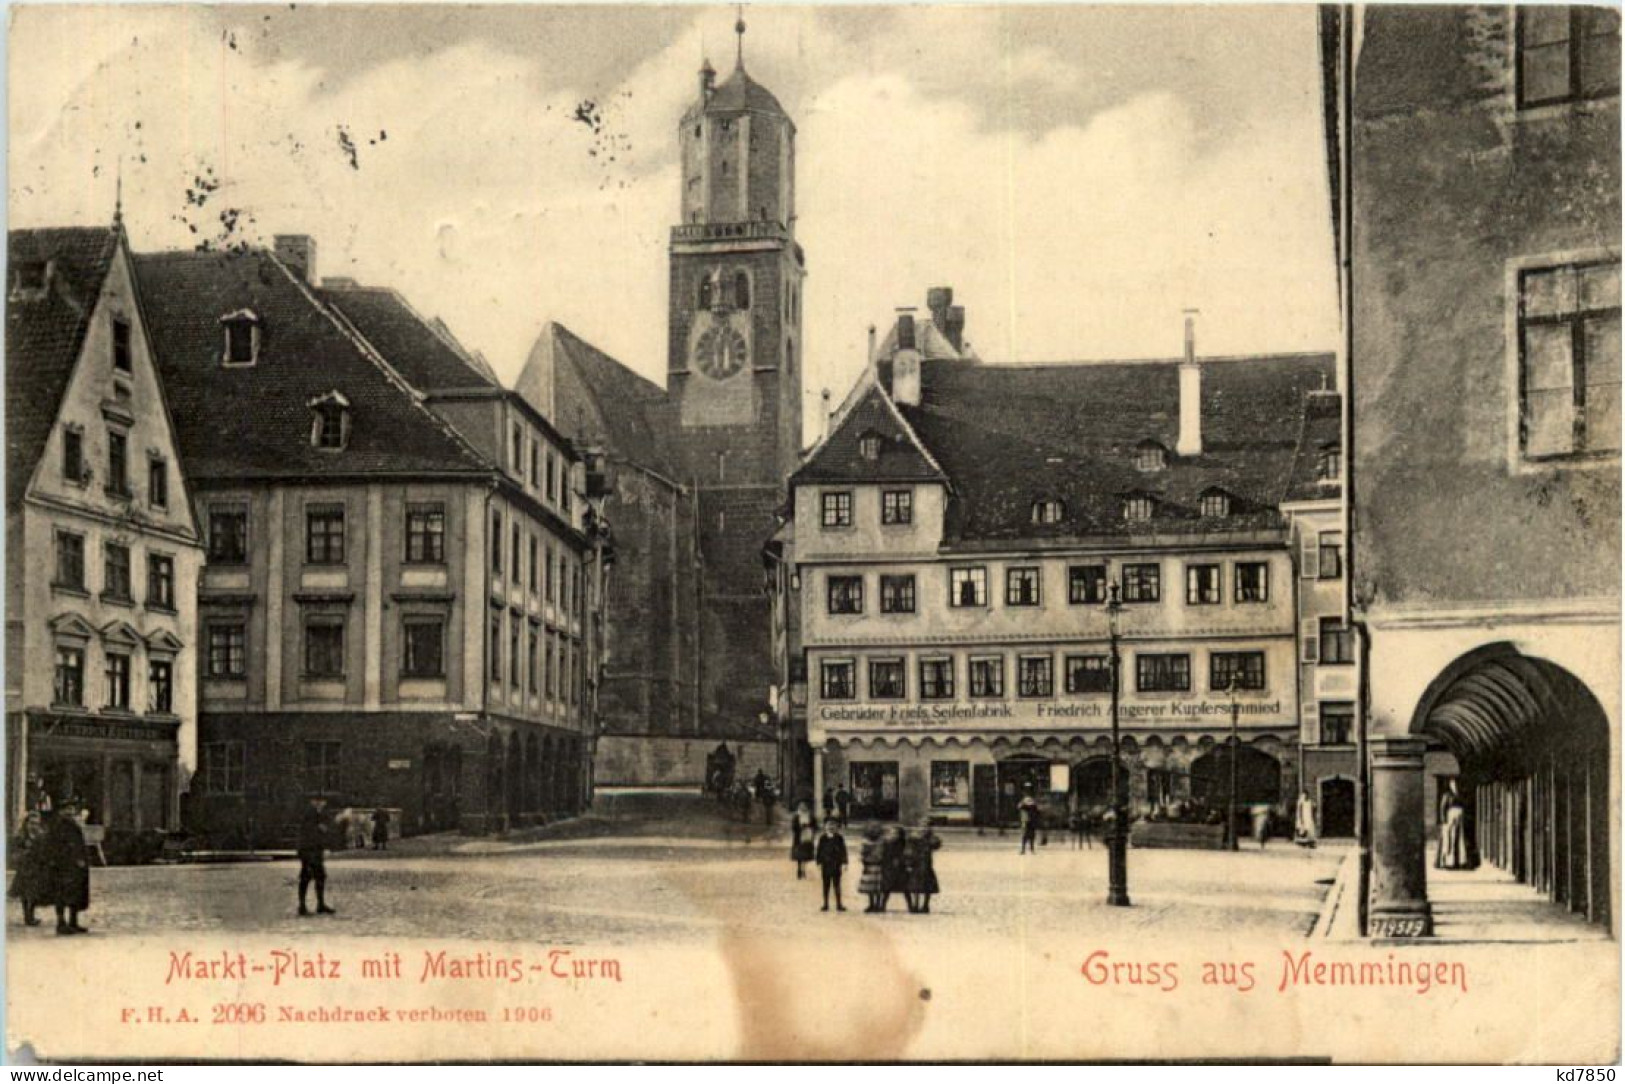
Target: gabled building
(378, 621)
(956, 538)
(103, 554)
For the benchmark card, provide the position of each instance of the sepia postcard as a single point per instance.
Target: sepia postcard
(544, 533)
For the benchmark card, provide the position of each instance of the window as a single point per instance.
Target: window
(424, 647)
(1329, 463)
(161, 686)
(936, 679)
(515, 659)
(1142, 583)
(496, 543)
(886, 681)
(69, 687)
(116, 572)
(846, 594)
(1150, 456)
(837, 509)
(70, 560)
(741, 290)
(535, 559)
(1138, 509)
(869, 446)
(518, 540)
(987, 676)
(1568, 379)
(1336, 723)
(1162, 673)
(324, 534)
(552, 477)
(1566, 54)
(157, 482)
(1202, 587)
(517, 461)
(222, 767)
(1021, 586)
(494, 670)
(837, 680)
(897, 594)
(1215, 505)
(330, 421)
(118, 473)
(1048, 511)
(1245, 667)
(950, 784)
(29, 279)
(550, 583)
(536, 465)
(554, 662)
(228, 650)
(324, 647)
(73, 454)
(1331, 555)
(160, 581)
(1035, 675)
(1252, 581)
(118, 681)
(967, 587)
(122, 361)
(242, 339)
(1336, 642)
(322, 767)
(533, 654)
(228, 536)
(705, 293)
(896, 507)
(1088, 674)
(1086, 584)
(426, 534)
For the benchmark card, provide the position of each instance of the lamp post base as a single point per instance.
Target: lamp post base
(1117, 870)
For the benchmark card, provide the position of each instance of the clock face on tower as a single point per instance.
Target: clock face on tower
(720, 352)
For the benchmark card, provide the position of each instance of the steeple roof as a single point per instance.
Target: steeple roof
(740, 93)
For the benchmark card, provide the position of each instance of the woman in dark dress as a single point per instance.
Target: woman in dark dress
(802, 828)
(380, 829)
(922, 870)
(894, 865)
(67, 870)
(873, 882)
(29, 886)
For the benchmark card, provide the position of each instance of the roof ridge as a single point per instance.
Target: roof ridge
(1081, 363)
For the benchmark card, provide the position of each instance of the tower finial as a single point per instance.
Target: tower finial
(118, 191)
(739, 28)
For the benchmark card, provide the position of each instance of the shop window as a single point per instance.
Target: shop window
(1202, 585)
(886, 680)
(1021, 586)
(874, 790)
(1336, 723)
(1252, 581)
(424, 654)
(1086, 584)
(967, 587)
(1088, 674)
(1159, 786)
(837, 509)
(1566, 53)
(845, 594)
(838, 680)
(426, 534)
(896, 594)
(222, 766)
(228, 650)
(896, 507)
(1245, 668)
(936, 679)
(950, 784)
(324, 647)
(69, 687)
(1568, 376)
(324, 534)
(1142, 583)
(1035, 676)
(1336, 642)
(1162, 673)
(322, 767)
(987, 677)
(228, 536)
(161, 686)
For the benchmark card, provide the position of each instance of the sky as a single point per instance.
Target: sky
(1079, 175)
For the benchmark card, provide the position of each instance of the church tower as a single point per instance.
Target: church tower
(735, 347)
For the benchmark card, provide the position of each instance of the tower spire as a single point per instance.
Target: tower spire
(739, 29)
(118, 191)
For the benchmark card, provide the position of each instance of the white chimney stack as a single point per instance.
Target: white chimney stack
(1190, 394)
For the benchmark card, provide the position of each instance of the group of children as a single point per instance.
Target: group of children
(893, 861)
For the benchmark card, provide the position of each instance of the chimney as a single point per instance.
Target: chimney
(871, 344)
(824, 413)
(905, 329)
(1190, 394)
(955, 327)
(937, 299)
(905, 372)
(298, 251)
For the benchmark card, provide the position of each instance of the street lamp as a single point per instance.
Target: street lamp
(1117, 839)
(1235, 747)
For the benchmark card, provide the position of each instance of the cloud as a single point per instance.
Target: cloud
(924, 159)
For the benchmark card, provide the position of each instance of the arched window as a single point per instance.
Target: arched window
(1150, 456)
(1048, 511)
(705, 293)
(741, 290)
(1216, 503)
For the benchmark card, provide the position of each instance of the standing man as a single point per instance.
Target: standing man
(313, 829)
(1029, 813)
(831, 858)
(67, 869)
(843, 803)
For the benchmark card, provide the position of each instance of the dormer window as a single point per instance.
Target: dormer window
(1138, 508)
(1048, 511)
(330, 422)
(1329, 463)
(242, 345)
(29, 280)
(1150, 456)
(1215, 504)
(869, 446)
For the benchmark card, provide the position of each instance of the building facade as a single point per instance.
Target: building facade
(104, 557)
(696, 468)
(957, 537)
(1485, 160)
(394, 611)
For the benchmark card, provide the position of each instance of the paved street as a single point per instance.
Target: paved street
(670, 868)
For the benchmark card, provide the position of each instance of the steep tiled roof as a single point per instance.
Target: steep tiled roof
(839, 458)
(44, 336)
(637, 412)
(254, 421)
(419, 350)
(1322, 428)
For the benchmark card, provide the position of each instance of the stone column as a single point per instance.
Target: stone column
(1399, 903)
